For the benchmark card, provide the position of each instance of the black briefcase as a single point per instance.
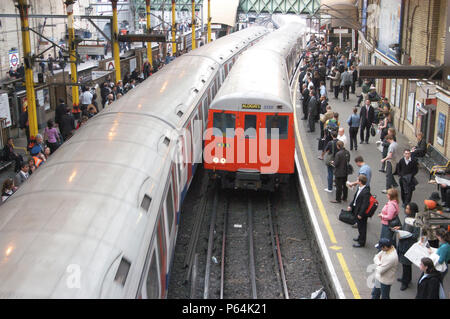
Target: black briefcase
(321, 144)
(347, 217)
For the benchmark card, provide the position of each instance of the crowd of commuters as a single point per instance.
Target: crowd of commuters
(372, 115)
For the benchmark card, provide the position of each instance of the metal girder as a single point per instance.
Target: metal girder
(152, 37)
(279, 6)
(181, 5)
(400, 72)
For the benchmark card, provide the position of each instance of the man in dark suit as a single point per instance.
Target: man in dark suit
(312, 111)
(359, 207)
(367, 116)
(407, 169)
(67, 124)
(421, 149)
(305, 101)
(60, 111)
(341, 162)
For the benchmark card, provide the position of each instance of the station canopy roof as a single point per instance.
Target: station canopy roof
(341, 13)
(222, 12)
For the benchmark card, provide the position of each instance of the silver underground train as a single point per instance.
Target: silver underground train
(100, 218)
(261, 78)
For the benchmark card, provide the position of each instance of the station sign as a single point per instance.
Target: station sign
(91, 50)
(13, 58)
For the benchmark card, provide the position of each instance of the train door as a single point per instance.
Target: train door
(189, 155)
(247, 144)
(205, 107)
(197, 138)
(176, 190)
(170, 216)
(182, 164)
(162, 247)
(278, 135)
(152, 289)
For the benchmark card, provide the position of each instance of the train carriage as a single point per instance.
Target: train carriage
(100, 218)
(250, 141)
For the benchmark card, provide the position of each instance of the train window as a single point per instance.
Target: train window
(146, 202)
(170, 210)
(152, 279)
(250, 126)
(277, 122)
(224, 124)
(122, 271)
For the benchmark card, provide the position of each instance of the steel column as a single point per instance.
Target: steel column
(115, 41)
(73, 59)
(209, 21)
(149, 44)
(29, 82)
(193, 26)
(174, 31)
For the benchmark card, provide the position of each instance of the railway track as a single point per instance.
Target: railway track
(251, 265)
(245, 245)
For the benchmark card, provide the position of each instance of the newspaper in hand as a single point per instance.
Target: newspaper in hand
(417, 252)
(403, 234)
(440, 180)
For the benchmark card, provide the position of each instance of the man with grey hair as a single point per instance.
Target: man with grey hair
(342, 137)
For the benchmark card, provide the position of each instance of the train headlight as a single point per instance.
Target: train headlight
(215, 160)
(223, 161)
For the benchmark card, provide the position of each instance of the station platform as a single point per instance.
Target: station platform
(350, 267)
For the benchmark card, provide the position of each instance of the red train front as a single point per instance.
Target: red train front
(250, 140)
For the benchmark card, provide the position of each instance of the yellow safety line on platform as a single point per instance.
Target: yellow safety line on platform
(319, 202)
(348, 276)
(313, 184)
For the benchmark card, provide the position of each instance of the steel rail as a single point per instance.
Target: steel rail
(224, 237)
(251, 250)
(274, 247)
(194, 277)
(280, 262)
(189, 259)
(212, 226)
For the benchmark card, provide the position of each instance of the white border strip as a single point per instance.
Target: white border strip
(318, 232)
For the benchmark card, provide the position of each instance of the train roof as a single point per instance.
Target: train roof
(222, 49)
(259, 77)
(75, 210)
(171, 93)
(282, 40)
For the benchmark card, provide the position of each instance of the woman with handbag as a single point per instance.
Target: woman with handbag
(405, 242)
(389, 215)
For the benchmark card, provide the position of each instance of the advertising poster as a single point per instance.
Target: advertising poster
(411, 106)
(132, 65)
(441, 129)
(393, 87)
(43, 98)
(4, 109)
(399, 95)
(389, 26)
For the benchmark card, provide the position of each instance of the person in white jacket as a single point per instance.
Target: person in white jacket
(386, 261)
